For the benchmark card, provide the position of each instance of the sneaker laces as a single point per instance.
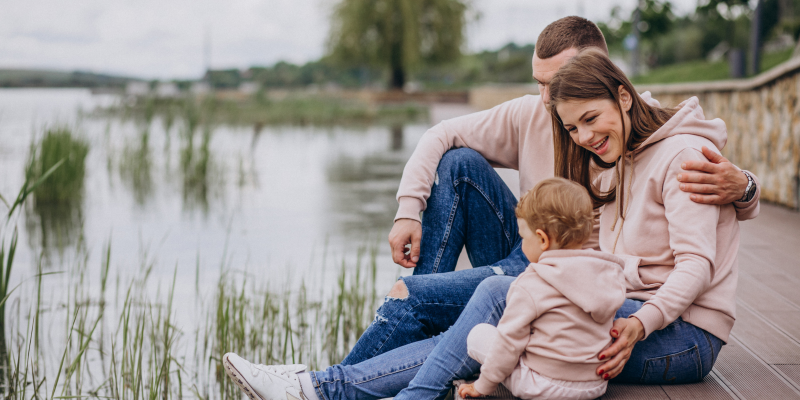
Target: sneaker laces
(280, 370)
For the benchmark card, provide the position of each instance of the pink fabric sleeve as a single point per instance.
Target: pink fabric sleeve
(693, 240)
(750, 209)
(514, 331)
(493, 133)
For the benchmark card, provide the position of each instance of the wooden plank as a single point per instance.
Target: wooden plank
(711, 389)
(750, 376)
(770, 344)
(791, 372)
(621, 391)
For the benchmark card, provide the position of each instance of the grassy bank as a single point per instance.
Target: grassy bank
(699, 71)
(261, 110)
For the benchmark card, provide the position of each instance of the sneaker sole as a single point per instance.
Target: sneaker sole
(234, 374)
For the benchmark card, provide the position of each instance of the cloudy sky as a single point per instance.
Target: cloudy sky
(165, 38)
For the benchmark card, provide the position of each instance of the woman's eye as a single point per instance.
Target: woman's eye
(572, 129)
(590, 119)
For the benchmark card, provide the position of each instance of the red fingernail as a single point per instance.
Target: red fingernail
(605, 376)
(601, 357)
(601, 372)
(614, 331)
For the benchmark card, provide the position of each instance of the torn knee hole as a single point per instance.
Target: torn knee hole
(399, 290)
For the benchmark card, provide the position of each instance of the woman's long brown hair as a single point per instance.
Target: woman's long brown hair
(592, 76)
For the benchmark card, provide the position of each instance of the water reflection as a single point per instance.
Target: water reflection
(196, 168)
(365, 187)
(58, 164)
(136, 166)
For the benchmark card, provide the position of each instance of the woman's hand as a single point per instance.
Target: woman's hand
(626, 333)
(468, 390)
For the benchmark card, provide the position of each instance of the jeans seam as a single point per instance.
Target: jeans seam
(388, 373)
(446, 237)
(486, 197)
(318, 387)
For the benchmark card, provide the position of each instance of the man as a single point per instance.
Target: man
(465, 203)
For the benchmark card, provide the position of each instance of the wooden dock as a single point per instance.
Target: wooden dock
(762, 358)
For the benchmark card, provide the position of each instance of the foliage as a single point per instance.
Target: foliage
(66, 184)
(398, 34)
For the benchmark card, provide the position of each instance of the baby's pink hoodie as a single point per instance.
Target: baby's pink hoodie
(558, 315)
(680, 256)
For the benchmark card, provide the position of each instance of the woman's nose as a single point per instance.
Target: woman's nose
(584, 137)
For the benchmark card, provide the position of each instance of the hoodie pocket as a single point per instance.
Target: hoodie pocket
(632, 278)
(678, 368)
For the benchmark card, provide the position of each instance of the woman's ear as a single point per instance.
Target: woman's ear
(625, 99)
(544, 240)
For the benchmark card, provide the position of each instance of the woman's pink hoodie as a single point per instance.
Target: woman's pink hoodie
(680, 256)
(558, 315)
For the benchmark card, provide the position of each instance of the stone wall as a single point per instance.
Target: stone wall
(763, 118)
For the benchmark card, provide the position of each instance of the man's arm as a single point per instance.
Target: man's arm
(493, 133)
(718, 181)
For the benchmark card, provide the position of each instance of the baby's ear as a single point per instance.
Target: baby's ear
(543, 239)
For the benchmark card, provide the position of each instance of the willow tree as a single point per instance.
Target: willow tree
(397, 34)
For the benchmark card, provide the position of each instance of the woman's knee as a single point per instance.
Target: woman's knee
(494, 287)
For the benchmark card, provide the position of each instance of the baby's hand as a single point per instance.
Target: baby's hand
(468, 390)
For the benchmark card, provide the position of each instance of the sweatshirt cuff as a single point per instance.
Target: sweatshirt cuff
(650, 317)
(410, 207)
(484, 386)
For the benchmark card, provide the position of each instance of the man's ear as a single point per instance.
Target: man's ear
(625, 99)
(544, 240)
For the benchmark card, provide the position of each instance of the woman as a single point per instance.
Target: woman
(681, 256)
(681, 265)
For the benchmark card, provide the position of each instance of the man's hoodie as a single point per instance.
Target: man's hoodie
(680, 256)
(558, 316)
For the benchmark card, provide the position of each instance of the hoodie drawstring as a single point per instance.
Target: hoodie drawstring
(622, 207)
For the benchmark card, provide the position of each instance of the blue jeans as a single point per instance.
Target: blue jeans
(680, 353)
(470, 207)
(401, 355)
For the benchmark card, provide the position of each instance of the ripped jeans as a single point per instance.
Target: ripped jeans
(470, 207)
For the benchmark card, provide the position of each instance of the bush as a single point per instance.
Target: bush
(66, 183)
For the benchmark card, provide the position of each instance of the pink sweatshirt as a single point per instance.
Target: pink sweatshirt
(558, 315)
(680, 256)
(517, 134)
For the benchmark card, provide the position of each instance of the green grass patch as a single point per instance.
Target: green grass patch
(261, 110)
(701, 70)
(66, 183)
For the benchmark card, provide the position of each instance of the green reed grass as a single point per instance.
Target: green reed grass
(59, 144)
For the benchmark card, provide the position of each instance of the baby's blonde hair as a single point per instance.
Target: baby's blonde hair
(561, 208)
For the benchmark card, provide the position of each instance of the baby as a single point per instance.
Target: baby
(559, 311)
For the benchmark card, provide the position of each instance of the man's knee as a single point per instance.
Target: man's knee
(460, 158)
(399, 290)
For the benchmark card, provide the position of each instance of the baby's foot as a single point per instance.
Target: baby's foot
(264, 382)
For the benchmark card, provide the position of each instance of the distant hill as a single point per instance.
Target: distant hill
(48, 78)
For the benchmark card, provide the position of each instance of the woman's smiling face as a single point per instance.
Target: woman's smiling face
(596, 125)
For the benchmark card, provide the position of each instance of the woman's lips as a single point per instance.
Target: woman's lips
(603, 148)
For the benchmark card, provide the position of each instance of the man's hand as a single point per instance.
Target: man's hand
(717, 181)
(405, 231)
(626, 332)
(468, 390)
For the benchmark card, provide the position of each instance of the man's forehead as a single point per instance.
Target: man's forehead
(544, 69)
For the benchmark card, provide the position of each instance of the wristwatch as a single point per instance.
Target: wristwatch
(750, 190)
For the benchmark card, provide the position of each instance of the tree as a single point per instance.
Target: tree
(398, 34)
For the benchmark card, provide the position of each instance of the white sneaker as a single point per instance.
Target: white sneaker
(264, 382)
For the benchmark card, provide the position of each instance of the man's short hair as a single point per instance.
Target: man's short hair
(561, 208)
(569, 32)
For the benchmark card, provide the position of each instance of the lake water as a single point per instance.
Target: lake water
(268, 201)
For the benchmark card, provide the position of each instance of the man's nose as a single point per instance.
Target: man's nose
(545, 94)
